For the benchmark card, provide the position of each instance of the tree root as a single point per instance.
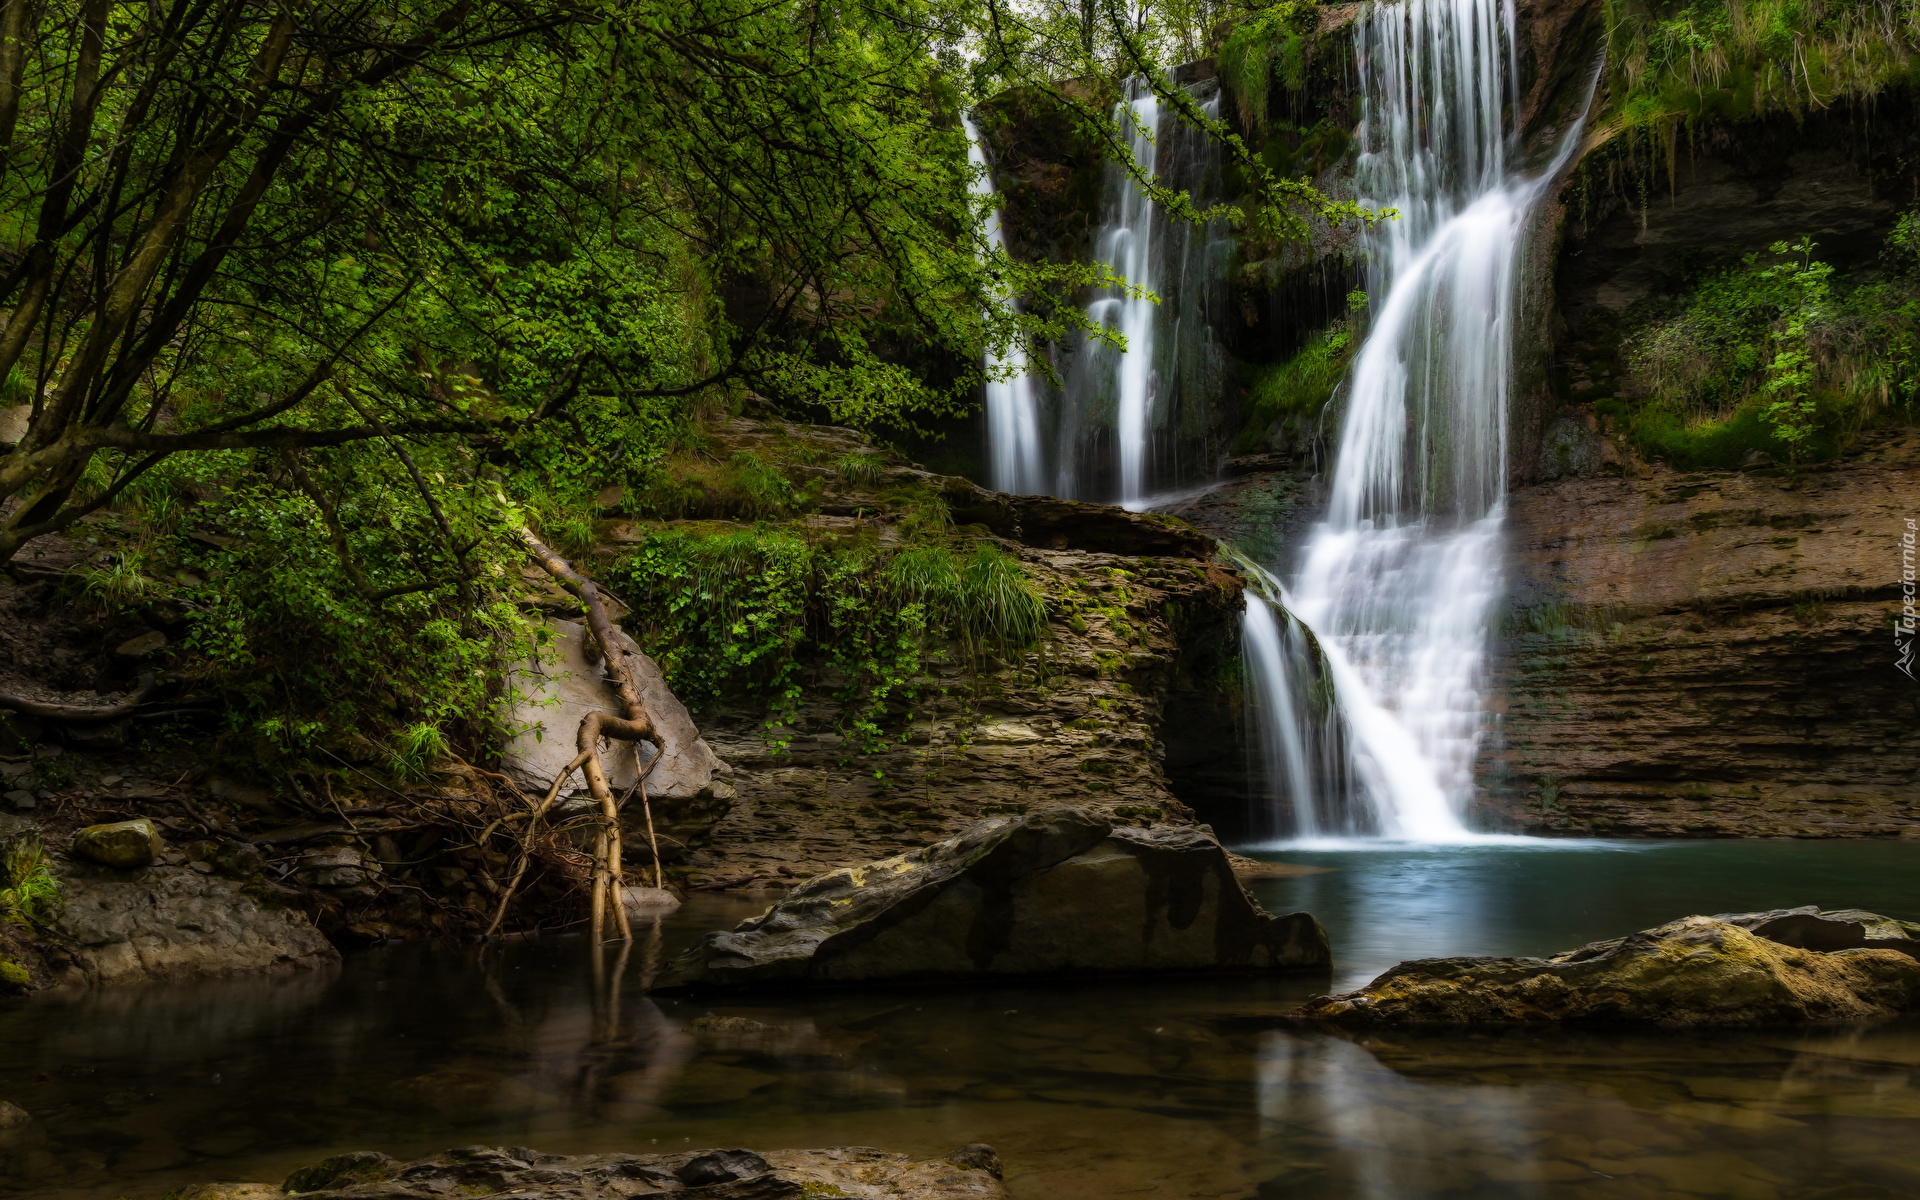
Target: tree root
(608, 878)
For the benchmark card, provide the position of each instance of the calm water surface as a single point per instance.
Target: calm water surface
(1188, 1090)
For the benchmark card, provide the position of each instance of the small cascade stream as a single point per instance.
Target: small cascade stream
(1398, 582)
(1013, 412)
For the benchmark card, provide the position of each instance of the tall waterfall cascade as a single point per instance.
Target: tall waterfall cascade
(1013, 411)
(1397, 584)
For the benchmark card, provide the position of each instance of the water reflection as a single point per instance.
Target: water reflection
(1199, 1089)
(1549, 1113)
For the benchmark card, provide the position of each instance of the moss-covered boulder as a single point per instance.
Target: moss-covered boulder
(1058, 892)
(1720, 970)
(123, 844)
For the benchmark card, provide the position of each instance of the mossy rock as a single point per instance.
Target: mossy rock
(13, 976)
(342, 1170)
(123, 844)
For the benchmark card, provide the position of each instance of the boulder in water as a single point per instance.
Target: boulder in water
(1785, 966)
(1059, 892)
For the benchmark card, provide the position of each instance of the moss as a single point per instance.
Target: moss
(13, 976)
(1288, 396)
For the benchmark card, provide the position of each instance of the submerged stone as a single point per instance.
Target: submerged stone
(1785, 966)
(124, 844)
(1058, 892)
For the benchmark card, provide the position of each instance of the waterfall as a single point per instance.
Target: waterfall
(1013, 418)
(1120, 424)
(1398, 582)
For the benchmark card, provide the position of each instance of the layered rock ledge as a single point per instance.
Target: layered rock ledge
(971, 1171)
(1063, 891)
(1785, 966)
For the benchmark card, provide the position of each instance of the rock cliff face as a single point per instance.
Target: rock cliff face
(1710, 654)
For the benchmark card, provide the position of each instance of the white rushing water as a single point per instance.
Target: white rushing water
(1399, 581)
(1125, 244)
(1013, 411)
(1127, 418)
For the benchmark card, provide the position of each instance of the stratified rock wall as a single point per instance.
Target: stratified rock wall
(1710, 655)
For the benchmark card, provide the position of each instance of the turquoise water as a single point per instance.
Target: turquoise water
(1385, 904)
(1200, 1089)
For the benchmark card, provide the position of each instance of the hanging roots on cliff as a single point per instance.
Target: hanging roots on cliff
(607, 882)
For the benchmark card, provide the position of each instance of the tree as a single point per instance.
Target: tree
(275, 224)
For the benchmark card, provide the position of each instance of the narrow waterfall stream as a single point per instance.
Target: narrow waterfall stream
(1398, 581)
(1013, 414)
(1125, 243)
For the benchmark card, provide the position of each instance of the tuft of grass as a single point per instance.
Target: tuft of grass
(860, 470)
(32, 892)
(987, 598)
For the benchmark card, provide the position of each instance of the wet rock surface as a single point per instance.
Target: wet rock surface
(1787, 966)
(1062, 891)
(970, 1171)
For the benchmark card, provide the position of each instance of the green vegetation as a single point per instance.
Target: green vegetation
(30, 891)
(1738, 59)
(766, 611)
(1773, 355)
(315, 307)
(1270, 45)
(1290, 394)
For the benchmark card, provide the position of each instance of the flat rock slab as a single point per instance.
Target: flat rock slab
(1059, 892)
(1781, 967)
(971, 1172)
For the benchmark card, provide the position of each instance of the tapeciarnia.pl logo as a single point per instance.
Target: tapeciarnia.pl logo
(1904, 625)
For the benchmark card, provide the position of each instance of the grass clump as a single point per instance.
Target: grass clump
(32, 891)
(1271, 45)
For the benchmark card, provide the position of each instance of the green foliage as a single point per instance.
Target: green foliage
(361, 618)
(1737, 59)
(1271, 44)
(1770, 355)
(29, 890)
(764, 612)
(1295, 390)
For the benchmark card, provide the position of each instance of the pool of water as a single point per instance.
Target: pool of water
(1198, 1089)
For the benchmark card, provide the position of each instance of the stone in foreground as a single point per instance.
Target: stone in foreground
(969, 1173)
(1058, 892)
(1780, 967)
(124, 844)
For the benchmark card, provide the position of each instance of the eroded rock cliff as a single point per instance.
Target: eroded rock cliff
(1710, 654)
